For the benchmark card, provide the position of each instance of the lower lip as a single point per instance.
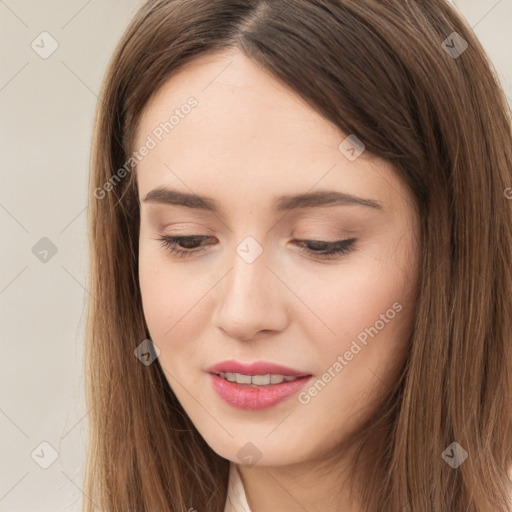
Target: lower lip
(256, 398)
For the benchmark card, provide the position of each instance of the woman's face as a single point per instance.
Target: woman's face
(250, 288)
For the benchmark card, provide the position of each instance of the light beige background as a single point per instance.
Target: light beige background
(46, 108)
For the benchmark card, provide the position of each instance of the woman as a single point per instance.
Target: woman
(301, 259)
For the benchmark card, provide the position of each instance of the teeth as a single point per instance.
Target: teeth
(261, 380)
(256, 380)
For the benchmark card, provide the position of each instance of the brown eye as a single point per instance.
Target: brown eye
(187, 242)
(325, 249)
(318, 248)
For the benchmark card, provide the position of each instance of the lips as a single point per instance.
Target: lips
(251, 397)
(257, 368)
(242, 396)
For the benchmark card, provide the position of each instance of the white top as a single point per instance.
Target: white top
(236, 500)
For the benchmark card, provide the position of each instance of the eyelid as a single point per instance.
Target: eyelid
(333, 250)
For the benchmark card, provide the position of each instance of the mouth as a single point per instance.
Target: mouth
(256, 380)
(256, 369)
(255, 386)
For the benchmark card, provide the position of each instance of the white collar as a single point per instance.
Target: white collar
(236, 500)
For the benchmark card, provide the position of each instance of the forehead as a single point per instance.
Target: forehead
(247, 136)
(234, 97)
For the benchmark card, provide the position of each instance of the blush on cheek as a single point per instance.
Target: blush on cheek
(169, 307)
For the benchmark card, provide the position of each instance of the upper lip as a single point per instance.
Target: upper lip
(257, 368)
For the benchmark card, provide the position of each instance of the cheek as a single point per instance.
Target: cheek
(158, 305)
(167, 296)
(366, 312)
(371, 315)
(168, 309)
(176, 301)
(355, 298)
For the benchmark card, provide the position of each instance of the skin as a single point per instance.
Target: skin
(249, 140)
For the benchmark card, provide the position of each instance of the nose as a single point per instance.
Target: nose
(250, 300)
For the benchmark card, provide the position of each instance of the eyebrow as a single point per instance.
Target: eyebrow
(326, 198)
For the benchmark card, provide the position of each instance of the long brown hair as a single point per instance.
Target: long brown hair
(393, 73)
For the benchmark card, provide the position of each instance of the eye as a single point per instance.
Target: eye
(170, 243)
(324, 249)
(317, 248)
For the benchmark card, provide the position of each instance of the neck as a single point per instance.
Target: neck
(311, 486)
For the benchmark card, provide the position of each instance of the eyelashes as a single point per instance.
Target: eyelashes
(316, 248)
(327, 249)
(171, 242)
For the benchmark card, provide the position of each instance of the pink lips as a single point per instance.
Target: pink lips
(248, 397)
(258, 368)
